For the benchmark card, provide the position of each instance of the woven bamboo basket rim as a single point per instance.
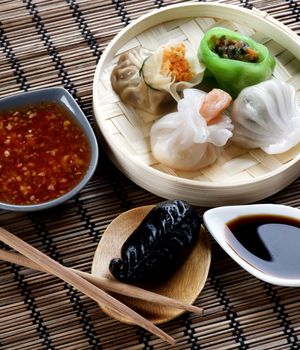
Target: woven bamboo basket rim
(256, 19)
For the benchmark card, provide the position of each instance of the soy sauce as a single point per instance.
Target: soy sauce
(270, 243)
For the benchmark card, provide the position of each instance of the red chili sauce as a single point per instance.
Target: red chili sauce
(43, 154)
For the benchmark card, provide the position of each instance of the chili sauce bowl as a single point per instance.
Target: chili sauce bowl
(271, 253)
(65, 142)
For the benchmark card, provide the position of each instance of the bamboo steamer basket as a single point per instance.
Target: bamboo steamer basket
(239, 176)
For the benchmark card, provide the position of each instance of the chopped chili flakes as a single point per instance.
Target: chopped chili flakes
(43, 154)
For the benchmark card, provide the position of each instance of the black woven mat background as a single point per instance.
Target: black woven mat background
(58, 43)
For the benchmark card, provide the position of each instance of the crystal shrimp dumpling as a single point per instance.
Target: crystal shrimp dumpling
(267, 116)
(192, 137)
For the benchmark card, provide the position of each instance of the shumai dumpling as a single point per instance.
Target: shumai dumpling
(267, 116)
(129, 85)
(173, 67)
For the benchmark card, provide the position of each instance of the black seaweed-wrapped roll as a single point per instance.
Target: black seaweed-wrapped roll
(159, 244)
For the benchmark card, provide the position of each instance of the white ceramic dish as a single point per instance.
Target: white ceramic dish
(239, 176)
(215, 221)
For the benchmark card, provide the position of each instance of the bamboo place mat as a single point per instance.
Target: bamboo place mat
(58, 43)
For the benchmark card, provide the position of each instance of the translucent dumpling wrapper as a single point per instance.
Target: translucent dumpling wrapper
(185, 140)
(173, 67)
(267, 116)
(131, 88)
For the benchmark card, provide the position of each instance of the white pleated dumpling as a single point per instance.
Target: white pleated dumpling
(184, 140)
(172, 68)
(267, 116)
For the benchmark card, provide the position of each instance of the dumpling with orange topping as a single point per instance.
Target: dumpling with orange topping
(172, 67)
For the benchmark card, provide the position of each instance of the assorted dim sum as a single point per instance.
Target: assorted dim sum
(266, 115)
(192, 137)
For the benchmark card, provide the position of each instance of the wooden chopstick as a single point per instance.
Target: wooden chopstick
(106, 284)
(81, 284)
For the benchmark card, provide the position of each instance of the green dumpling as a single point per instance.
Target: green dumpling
(234, 60)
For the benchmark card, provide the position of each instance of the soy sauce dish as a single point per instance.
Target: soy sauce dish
(264, 239)
(48, 150)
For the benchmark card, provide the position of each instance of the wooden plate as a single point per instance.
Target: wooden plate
(185, 284)
(239, 175)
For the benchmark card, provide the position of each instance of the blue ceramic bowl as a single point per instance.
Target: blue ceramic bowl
(62, 97)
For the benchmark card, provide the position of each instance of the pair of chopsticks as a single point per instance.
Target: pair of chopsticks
(90, 285)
